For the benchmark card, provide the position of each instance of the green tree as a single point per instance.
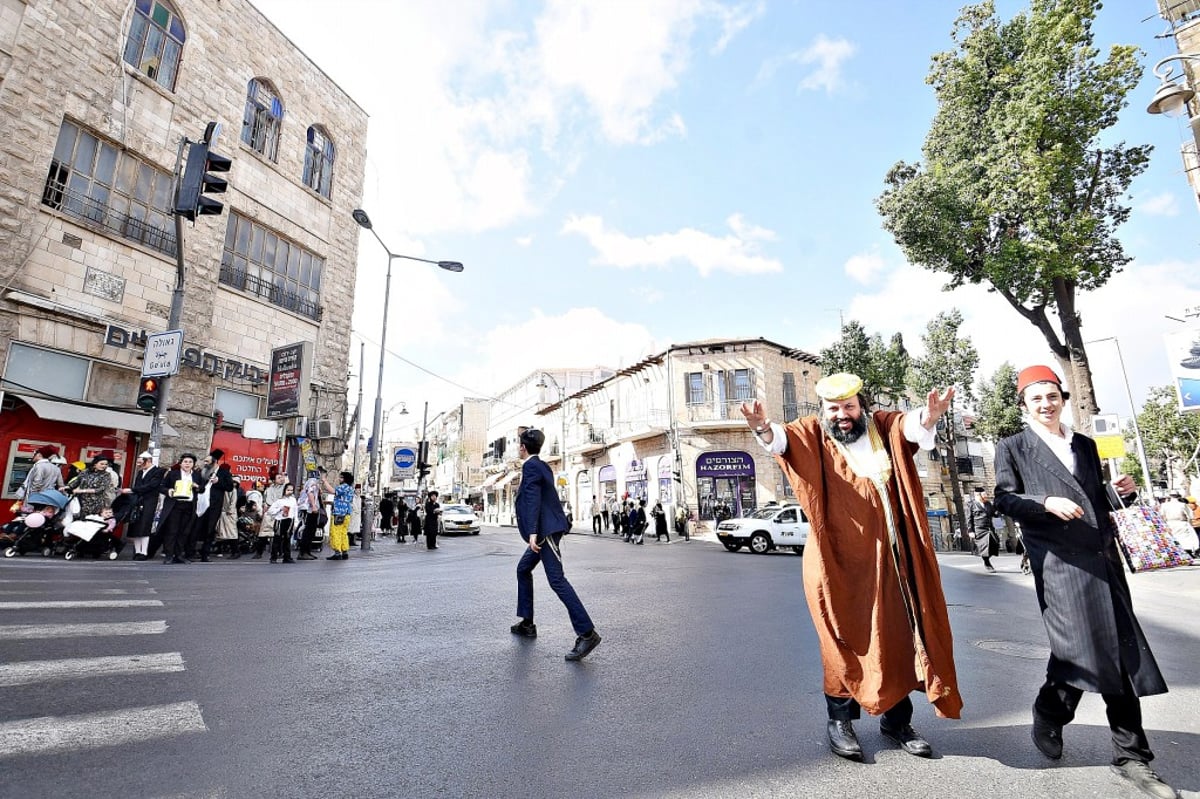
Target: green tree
(1015, 190)
(1171, 438)
(997, 414)
(882, 367)
(949, 360)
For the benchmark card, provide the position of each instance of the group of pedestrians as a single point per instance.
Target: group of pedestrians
(629, 520)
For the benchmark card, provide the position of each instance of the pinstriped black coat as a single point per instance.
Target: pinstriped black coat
(1077, 568)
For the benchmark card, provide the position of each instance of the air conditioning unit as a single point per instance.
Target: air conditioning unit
(321, 428)
(298, 427)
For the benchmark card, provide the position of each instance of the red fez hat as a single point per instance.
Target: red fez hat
(1036, 374)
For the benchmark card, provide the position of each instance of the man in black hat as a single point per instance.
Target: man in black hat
(542, 522)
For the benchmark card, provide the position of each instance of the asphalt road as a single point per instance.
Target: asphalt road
(394, 675)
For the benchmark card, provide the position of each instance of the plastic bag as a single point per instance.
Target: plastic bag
(202, 501)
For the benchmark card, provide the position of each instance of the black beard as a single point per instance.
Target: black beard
(858, 427)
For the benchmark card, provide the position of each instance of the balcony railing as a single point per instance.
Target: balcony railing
(98, 216)
(716, 411)
(271, 292)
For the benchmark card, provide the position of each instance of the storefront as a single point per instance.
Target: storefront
(81, 432)
(725, 485)
(607, 478)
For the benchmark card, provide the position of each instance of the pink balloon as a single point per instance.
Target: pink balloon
(35, 520)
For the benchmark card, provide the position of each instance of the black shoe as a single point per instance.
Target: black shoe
(177, 560)
(335, 556)
(584, 644)
(346, 555)
(1047, 738)
(1144, 779)
(525, 629)
(990, 568)
(288, 560)
(909, 739)
(842, 740)
(205, 560)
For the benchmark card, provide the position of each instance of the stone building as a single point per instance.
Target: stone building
(96, 98)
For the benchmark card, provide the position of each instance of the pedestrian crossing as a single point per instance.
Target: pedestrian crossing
(107, 627)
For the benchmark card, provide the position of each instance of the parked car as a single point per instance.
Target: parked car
(459, 519)
(770, 527)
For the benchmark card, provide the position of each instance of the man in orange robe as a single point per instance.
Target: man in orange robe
(871, 576)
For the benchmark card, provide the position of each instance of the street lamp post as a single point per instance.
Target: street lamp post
(369, 501)
(1137, 433)
(562, 413)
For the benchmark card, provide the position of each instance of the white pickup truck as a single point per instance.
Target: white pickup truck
(769, 527)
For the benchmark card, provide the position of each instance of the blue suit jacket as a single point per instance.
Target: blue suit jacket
(538, 510)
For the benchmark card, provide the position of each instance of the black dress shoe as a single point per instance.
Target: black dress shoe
(177, 560)
(525, 629)
(842, 740)
(1047, 738)
(335, 556)
(584, 644)
(909, 739)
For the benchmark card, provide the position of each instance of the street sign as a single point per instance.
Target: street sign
(1183, 354)
(404, 462)
(164, 351)
(1110, 446)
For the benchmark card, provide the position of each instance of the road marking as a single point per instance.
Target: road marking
(81, 580)
(72, 733)
(104, 591)
(82, 603)
(28, 672)
(24, 632)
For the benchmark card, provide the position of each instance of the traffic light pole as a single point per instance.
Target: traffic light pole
(160, 413)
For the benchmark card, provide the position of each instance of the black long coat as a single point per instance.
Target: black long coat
(1077, 568)
(987, 540)
(145, 490)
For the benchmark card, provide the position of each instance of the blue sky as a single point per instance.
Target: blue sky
(618, 175)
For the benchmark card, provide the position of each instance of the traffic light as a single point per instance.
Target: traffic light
(149, 390)
(197, 181)
(422, 460)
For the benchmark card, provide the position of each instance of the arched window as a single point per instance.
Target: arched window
(155, 42)
(318, 162)
(264, 112)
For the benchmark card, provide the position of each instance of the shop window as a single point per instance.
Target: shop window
(259, 261)
(318, 162)
(236, 406)
(262, 122)
(55, 374)
(109, 190)
(112, 386)
(155, 41)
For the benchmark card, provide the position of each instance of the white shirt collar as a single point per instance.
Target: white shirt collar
(1059, 445)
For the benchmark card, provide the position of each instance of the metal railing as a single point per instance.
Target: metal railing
(271, 292)
(99, 216)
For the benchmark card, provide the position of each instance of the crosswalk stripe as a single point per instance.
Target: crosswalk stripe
(81, 580)
(71, 733)
(27, 672)
(143, 590)
(25, 632)
(82, 603)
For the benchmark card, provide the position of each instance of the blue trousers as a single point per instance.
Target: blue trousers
(558, 584)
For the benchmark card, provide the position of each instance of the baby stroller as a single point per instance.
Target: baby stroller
(40, 529)
(93, 536)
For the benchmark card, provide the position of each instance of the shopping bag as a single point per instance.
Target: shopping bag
(1146, 541)
(202, 501)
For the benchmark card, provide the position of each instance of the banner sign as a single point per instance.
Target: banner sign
(724, 464)
(291, 373)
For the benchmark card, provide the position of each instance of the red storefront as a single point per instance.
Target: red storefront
(79, 431)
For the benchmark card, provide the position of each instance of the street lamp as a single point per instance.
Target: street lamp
(562, 412)
(360, 216)
(1137, 433)
(1172, 96)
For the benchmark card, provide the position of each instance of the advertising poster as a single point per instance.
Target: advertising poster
(291, 372)
(249, 459)
(1183, 355)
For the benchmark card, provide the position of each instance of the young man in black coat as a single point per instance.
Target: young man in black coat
(1049, 479)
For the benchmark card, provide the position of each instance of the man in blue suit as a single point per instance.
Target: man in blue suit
(541, 522)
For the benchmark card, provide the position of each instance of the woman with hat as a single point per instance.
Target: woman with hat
(94, 487)
(1049, 478)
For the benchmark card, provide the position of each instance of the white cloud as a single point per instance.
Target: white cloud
(1130, 307)
(736, 253)
(524, 241)
(825, 53)
(865, 267)
(1163, 204)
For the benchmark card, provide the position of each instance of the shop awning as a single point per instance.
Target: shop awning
(57, 411)
(491, 481)
(508, 478)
